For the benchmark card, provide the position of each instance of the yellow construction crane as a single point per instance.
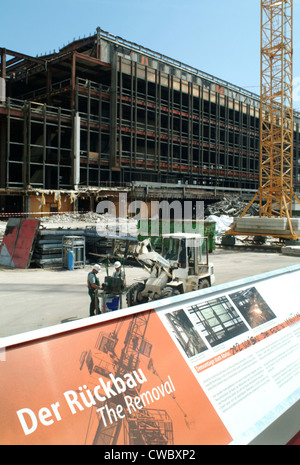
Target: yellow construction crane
(275, 193)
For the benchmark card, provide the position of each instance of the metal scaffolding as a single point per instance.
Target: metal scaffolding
(276, 183)
(276, 114)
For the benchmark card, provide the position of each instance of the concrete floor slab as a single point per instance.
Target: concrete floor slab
(265, 225)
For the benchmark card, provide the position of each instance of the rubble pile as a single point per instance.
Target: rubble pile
(104, 223)
(69, 219)
(232, 207)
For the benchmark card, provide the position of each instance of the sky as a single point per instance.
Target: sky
(219, 37)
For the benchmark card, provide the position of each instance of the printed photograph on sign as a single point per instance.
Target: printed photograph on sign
(252, 306)
(217, 320)
(185, 333)
(138, 395)
(118, 369)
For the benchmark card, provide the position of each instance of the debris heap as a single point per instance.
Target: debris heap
(231, 206)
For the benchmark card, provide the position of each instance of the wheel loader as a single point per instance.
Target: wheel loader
(181, 267)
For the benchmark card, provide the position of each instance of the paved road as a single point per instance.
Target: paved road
(36, 298)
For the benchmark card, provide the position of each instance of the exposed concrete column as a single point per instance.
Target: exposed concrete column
(3, 145)
(113, 113)
(73, 81)
(3, 76)
(99, 43)
(76, 158)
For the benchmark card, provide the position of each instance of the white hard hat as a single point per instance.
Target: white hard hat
(117, 265)
(97, 267)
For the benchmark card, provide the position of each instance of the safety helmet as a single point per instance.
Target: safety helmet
(117, 265)
(97, 267)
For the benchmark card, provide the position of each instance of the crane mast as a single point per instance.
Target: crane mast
(276, 109)
(275, 193)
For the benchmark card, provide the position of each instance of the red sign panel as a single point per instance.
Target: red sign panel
(17, 245)
(106, 389)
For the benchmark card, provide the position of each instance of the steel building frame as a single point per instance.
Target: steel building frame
(177, 129)
(143, 117)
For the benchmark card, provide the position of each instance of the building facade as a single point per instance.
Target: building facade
(104, 115)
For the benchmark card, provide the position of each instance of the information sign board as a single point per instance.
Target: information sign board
(216, 366)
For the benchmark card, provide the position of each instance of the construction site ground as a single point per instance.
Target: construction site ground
(36, 298)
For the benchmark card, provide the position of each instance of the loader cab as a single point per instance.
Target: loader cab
(185, 252)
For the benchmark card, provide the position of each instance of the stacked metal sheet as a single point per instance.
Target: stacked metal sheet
(48, 251)
(48, 248)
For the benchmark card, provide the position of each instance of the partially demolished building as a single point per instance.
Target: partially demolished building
(105, 115)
